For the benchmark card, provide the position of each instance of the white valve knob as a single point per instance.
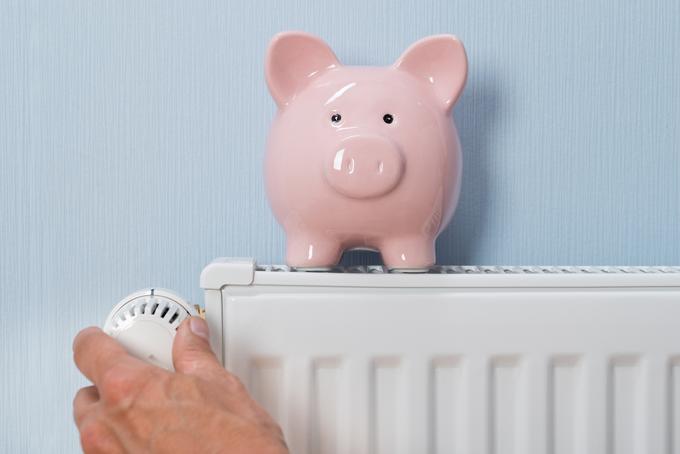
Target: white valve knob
(145, 323)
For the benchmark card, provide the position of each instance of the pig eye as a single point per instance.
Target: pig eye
(387, 118)
(336, 117)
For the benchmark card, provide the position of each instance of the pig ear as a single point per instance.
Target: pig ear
(440, 62)
(293, 60)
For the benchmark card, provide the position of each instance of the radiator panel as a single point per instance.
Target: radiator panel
(428, 367)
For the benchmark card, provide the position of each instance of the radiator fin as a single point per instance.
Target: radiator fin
(674, 405)
(447, 406)
(505, 409)
(266, 385)
(386, 405)
(327, 397)
(565, 405)
(625, 412)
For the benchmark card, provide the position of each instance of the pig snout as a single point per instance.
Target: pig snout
(362, 167)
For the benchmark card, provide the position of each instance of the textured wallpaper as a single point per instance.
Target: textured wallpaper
(132, 134)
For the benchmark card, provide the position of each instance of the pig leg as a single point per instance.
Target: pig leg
(411, 252)
(312, 251)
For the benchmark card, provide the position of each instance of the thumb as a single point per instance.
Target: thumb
(191, 353)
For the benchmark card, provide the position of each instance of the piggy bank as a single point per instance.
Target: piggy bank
(363, 157)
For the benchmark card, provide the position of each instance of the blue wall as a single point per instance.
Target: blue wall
(132, 133)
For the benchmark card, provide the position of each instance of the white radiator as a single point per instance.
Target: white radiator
(459, 360)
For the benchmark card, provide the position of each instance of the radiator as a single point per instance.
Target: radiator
(457, 360)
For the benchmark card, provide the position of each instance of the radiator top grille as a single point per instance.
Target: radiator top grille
(451, 269)
(226, 271)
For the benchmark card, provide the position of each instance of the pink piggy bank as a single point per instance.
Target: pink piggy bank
(363, 157)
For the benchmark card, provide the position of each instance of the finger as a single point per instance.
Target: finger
(84, 403)
(95, 353)
(191, 353)
(97, 437)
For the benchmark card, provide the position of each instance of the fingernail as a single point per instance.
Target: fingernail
(199, 327)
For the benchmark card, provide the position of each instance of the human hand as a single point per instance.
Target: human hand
(136, 407)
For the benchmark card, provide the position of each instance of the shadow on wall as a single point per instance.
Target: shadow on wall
(459, 243)
(478, 109)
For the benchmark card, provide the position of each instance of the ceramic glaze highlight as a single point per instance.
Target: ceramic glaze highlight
(363, 157)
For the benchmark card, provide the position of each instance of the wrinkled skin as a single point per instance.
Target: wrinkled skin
(135, 407)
